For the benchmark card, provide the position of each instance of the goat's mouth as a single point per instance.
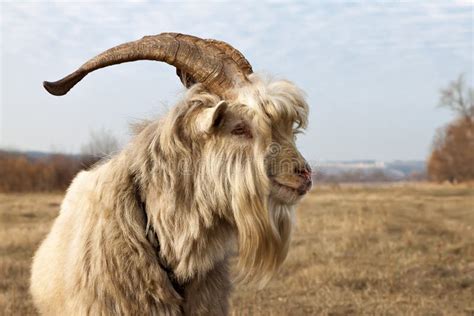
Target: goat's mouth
(279, 185)
(286, 193)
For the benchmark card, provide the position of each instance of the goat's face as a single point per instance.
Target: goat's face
(281, 113)
(259, 127)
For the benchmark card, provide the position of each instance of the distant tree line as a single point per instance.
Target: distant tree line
(20, 172)
(452, 156)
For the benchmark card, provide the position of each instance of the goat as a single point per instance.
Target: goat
(151, 230)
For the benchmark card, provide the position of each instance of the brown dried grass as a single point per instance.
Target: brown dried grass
(405, 249)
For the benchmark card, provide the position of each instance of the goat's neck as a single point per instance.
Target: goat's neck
(192, 236)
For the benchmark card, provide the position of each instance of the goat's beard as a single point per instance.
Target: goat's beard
(263, 224)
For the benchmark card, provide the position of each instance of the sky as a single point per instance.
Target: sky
(371, 70)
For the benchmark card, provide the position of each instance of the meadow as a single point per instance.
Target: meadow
(404, 249)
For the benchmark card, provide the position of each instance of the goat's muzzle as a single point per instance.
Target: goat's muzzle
(305, 174)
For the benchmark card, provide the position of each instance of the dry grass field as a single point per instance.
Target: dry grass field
(375, 250)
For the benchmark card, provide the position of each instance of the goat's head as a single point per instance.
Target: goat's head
(230, 144)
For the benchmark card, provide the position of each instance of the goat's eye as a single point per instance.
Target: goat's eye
(242, 129)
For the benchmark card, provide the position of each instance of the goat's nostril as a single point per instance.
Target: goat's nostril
(304, 172)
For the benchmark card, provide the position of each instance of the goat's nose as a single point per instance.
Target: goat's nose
(304, 172)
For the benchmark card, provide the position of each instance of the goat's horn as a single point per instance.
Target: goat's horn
(204, 61)
(188, 80)
(233, 53)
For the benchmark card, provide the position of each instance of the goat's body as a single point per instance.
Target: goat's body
(97, 259)
(177, 199)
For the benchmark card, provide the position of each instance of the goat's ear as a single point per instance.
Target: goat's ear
(211, 118)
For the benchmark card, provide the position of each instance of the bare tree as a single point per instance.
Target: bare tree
(452, 156)
(458, 98)
(102, 143)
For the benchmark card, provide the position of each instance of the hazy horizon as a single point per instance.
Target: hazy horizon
(372, 72)
(345, 161)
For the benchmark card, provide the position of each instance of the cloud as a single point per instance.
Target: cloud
(274, 31)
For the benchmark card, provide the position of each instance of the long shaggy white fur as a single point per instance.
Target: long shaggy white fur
(185, 190)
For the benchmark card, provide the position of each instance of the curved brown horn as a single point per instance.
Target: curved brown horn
(206, 63)
(233, 53)
(225, 48)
